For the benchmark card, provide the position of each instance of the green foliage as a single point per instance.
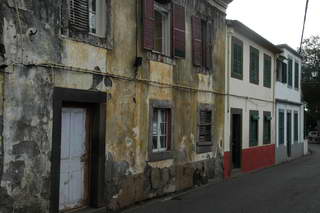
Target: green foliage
(310, 53)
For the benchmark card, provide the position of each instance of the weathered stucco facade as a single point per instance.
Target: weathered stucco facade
(44, 68)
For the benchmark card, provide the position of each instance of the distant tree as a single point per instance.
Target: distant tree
(310, 53)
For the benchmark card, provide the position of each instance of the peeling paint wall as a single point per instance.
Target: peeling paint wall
(31, 36)
(129, 146)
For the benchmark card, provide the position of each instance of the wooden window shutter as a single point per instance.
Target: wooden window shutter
(267, 71)
(179, 31)
(284, 72)
(205, 127)
(209, 45)
(148, 24)
(196, 41)
(79, 15)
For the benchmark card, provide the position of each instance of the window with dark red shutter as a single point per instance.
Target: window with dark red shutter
(179, 28)
(148, 24)
(196, 41)
(209, 45)
(202, 43)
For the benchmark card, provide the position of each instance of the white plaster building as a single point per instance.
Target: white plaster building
(289, 107)
(250, 109)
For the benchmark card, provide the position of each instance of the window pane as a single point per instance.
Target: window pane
(92, 16)
(163, 142)
(158, 27)
(290, 72)
(163, 116)
(154, 142)
(163, 130)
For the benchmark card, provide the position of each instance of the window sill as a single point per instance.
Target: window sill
(156, 56)
(256, 83)
(203, 148)
(160, 156)
(202, 70)
(88, 38)
(237, 76)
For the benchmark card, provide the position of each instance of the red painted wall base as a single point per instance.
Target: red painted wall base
(252, 159)
(227, 162)
(258, 157)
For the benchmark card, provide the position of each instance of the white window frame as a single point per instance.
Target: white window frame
(99, 18)
(166, 27)
(157, 132)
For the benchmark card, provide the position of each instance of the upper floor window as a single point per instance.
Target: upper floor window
(296, 76)
(202, 43)
(290, 72)
(162, 35)
(87, 21)
(281, 71)
(237, 58)
(254, 65)
(88, 16)
(161, 20)
(267, 71)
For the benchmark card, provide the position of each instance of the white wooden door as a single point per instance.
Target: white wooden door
(72, 164)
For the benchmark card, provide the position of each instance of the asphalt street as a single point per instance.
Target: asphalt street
(290, 187)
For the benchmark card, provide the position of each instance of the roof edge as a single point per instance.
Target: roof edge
(249, 33)
(290, 49)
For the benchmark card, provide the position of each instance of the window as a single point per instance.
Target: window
(267, 127)
(290, 72)
(267, 71)
(281, 127)
(284, 72)
(202, 39)
(205, 139)
(279, 70)
(237, 58)
(88, 16)
(160, 129)
(296, 127)
(162, 35)
(87, 21)
(160, 142)
(296, 76)
(164, 22)
(254, 128)
(254, 65)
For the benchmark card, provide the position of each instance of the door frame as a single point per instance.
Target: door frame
(97, 100)
(236, 111)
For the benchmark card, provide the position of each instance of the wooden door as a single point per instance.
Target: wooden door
(236, 139)
(73, 161)
(289, 133)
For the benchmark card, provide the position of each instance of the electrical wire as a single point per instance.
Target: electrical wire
(304, 24)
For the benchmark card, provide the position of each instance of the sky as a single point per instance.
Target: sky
(279, 21)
